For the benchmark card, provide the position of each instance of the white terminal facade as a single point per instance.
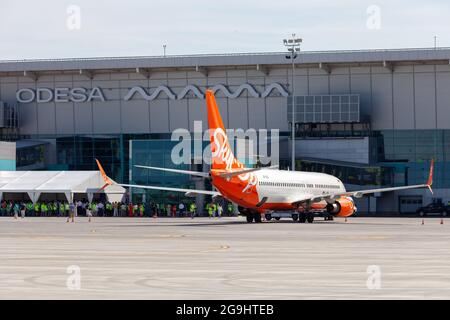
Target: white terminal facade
(372, 118)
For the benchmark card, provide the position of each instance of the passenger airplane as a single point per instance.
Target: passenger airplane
(260, 190)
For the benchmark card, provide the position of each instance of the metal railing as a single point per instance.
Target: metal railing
(206, 55)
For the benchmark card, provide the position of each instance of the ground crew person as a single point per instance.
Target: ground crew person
(62, 208)
(219, 210)
(55, 208)
(30, 208)
(89, 213)
(210, 208)
(37, 209)
(230, 208)
(72, 209)
(22, 209)
(192, 209)
(214, 209)
(44, 209)
(141, 209)
(16, 210)
(93, 207)
(3, 208)
(123, 210)
(109, 209)
(66, 208)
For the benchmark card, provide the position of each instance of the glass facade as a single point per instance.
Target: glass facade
(157, 153)
(399, 157)
(409, 152)
(325, 108)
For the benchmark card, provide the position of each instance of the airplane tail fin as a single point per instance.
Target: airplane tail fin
(430, 176)
(222, 156)
(108, 181)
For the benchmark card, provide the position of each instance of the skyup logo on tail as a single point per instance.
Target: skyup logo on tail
(222, 156)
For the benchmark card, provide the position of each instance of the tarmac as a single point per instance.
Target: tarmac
(226, 258)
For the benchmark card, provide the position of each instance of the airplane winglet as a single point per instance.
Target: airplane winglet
(430, 176)
(104, 176)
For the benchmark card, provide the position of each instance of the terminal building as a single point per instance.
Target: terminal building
(372, 118)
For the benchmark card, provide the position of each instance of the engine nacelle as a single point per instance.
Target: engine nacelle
(342, 207)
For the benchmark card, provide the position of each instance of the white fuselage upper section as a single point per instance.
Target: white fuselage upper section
(281, 186)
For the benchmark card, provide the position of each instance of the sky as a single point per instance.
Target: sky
(112, 28)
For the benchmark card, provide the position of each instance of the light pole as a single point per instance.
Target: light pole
(164, 49)
(293, 47)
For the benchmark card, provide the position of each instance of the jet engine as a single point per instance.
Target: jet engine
(342, 207)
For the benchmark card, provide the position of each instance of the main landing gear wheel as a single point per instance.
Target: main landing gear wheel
(249, 217)
(277, 218)
(295, 217)
(268, 216)
(302, 217)
(257, 217)
(310, 217)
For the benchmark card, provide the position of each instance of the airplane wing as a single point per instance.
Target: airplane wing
(192, 173)
(189, 192)
(361, 193)
(229, 174)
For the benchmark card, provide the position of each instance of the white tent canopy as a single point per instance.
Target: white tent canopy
(67, 182)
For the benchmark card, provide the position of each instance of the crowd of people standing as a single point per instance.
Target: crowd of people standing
(108, 209)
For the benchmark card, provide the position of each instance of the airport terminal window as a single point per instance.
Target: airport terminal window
(30, 156)
(317, 109)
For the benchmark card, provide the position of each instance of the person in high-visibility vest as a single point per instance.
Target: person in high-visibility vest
(230, 209)
(93, 207)
(62, 210)
(141, 209)
(37, 209)
(108, 209)
(192, 209)
(44, 209)
(66, 208)
(30, 208)
(210, 209)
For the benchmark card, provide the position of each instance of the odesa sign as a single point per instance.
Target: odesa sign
(43, 95)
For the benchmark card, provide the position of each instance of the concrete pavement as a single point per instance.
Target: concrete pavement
(167, 258)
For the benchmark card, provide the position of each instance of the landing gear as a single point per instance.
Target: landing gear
(268, 216)
(253, 216)
(294, 217)
(302, 217)
(306, 217)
